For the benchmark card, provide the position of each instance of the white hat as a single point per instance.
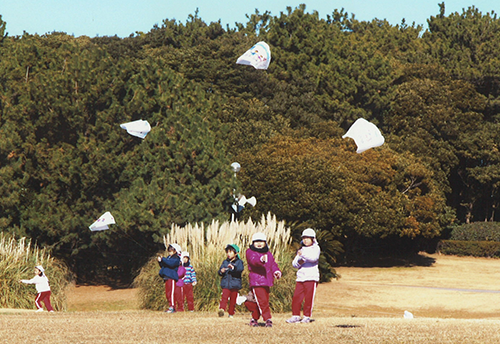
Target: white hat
(259, 237)
(39, 267)
(177, 247)
(309, 232)
(185, 254)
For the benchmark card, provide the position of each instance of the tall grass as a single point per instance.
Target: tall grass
(17, 261)
(206, 248)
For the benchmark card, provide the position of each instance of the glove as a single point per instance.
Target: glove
(277, 274)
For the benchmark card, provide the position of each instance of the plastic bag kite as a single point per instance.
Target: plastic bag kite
(139, 128)
(257, 56)
(365, 134)
(102, 222)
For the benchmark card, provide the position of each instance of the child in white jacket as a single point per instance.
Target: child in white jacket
(307, 280)
(41, 283)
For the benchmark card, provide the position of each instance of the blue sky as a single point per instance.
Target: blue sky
(124, 17)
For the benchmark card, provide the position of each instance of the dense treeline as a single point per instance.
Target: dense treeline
(434, 94)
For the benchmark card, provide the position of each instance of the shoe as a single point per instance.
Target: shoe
(294, 319)
(269, 323)
(170, 310)
(230, 316)
(221, 312)
(253, 323)
(306, 320)
(39, 310)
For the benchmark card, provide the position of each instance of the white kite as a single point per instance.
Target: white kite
(365, 134)
(257, 56)
(102, 222)
(139, 128)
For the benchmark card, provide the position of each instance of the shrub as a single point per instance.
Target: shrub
(17, 260)
(477, 231)
(206, 248)
(470, 248)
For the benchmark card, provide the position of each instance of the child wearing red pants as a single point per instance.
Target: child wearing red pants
(262, 270)
(168, 271)
(41, 283)
(306, 261)
(189, 281)
(230, 271)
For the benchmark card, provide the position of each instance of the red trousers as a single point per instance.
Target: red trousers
(179, 299)
(230, 294)
(187, 291)
(304, 291)
(44, 297)
(252, 307)
(170, 292)
(261, 295)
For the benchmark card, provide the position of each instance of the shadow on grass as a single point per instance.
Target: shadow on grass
(393, 261)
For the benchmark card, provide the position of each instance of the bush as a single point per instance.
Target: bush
(470, 248)
(17, 260)
(206, 248)
(477, 231)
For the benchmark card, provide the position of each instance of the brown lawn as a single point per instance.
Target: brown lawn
(454, 301)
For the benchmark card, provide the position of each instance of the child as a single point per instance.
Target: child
(41, 283)
(189, 281)
(262, 269)
(307, 280)
(230, 270)
(168, 272)
(179, 285)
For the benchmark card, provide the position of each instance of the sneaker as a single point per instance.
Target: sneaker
(230, 316)
(170, 310)
(294, 319)
(253, 323)
(39, 310)
(221, 312)
(306, 320)
(269, 323)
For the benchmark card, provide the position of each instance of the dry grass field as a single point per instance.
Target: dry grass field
(454, 300)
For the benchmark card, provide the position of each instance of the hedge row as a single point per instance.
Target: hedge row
(489, 249)
(477, 231)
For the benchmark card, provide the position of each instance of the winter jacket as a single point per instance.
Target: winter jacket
(307, 263)
(181, 272)
(261, 274)
(190, 276)
(41, 283)
(231, 278)
(169, 266)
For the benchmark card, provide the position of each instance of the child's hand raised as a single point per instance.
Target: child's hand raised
(263, 259)
(277, 274)
(223, 270)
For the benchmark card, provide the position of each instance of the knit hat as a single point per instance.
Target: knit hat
(234, 247)
(259, 237)
(39, 267)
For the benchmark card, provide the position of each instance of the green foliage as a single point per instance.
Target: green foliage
(17, 261)
(476, 231)
(489, 249)
(64, 160)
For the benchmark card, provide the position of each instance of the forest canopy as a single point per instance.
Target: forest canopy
(433, 93)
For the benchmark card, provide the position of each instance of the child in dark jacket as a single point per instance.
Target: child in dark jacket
(168, 271)
(230, 270)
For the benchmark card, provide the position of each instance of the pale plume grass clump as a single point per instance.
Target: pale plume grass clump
(206, 248)
(17, 261)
